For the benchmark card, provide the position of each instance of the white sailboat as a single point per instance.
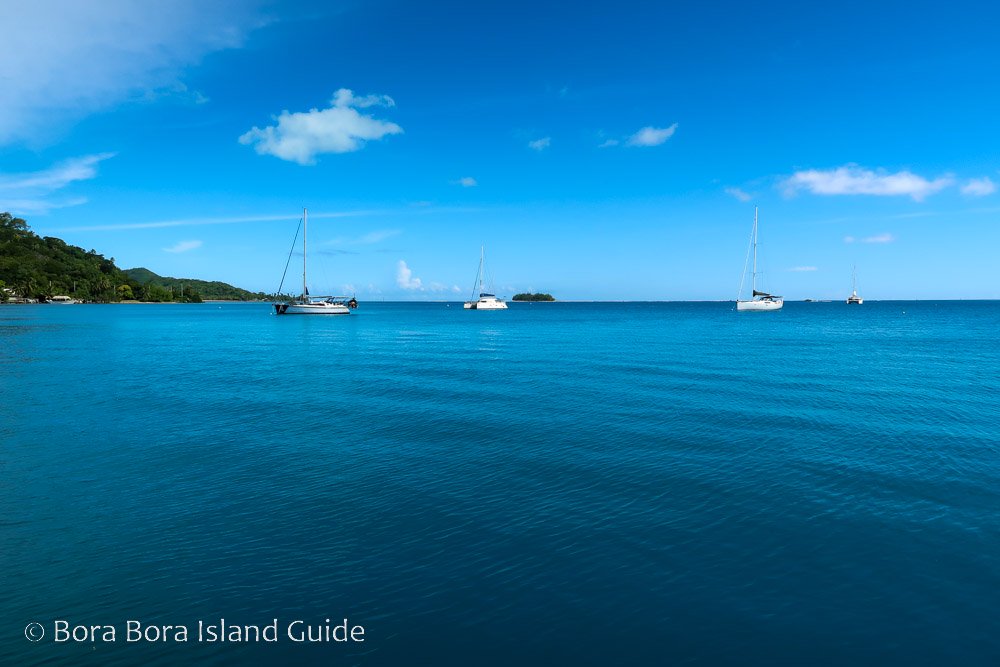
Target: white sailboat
(758, 301)
(486, 300)
(313, 305)
(854, 299)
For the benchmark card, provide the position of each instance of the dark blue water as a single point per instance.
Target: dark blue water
(555, 484)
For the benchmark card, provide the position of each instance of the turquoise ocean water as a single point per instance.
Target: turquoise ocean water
(662, 483)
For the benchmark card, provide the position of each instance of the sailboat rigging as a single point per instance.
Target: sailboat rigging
(486, 300)
(307, 304)
(759, 300)
(854, 299)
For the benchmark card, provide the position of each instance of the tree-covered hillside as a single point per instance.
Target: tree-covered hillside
(214, 290)
(35, 267)
(538, 296)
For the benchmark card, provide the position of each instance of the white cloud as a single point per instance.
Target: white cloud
(738, 193)
(377, 236)
(651, 136)
(345, 98)
(979, 187)
(370, 238)
(803, 268)
(63, 60)
(441, 287)
(56, 177)
(183, 246)
(540, 144)
(39, 206)
(405, 278)
(31, 192)
(609, 143)
(300, 137)
(466, 182)
(854, 180)
(199, 222)
(878, 238)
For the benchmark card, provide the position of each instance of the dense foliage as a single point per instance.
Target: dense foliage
(213, 290)
(38, 268)
(538, 296)
(33, 267)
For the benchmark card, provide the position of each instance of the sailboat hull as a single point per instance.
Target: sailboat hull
(486, 303)
(312, 309)
(768, 304)
(487, 300)
(759, 301)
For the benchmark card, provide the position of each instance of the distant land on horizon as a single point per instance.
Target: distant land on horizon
(535, 296)
(34, 267)
(213, 290)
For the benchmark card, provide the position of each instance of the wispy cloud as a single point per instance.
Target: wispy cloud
(31, 192)
(540, 144)
(199, 222)
(979, 187)
(405, 278)
(738, 193)
(39, 206)
(65, 60)
(378, 236)
(183, 246)
(56, 177)
(651, 136)
(878, 238)
(300, 137)
(854, 180)
(802, 268)
(370, 238)
(441, 287)
(608, 143)
(466, 182)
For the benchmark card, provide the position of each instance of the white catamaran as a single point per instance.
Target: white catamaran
(486, 300)
(312, 305)
(758, 300)
(854, 299)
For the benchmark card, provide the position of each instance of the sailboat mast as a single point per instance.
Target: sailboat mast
(305, 220)
(753, 286)
(482, 259)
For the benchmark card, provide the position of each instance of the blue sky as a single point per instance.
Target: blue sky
(598, 150)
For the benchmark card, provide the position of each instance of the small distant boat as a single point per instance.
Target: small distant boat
(854, 298)
(486, 300)
(313, 305)
(63, 299)
(758, 300)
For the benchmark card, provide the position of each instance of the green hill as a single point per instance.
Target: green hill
(213, 290)
(41, 267)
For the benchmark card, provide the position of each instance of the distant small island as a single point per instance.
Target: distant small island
(538, 296)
